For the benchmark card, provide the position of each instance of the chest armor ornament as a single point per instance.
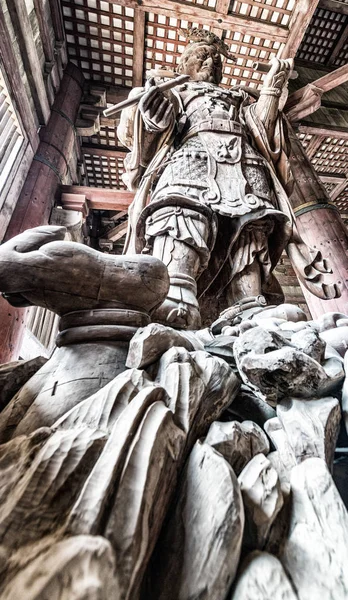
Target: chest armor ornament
(213, 163)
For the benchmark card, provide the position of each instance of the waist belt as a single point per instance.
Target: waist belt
(221, 125)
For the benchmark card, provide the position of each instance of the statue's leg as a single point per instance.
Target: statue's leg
(250, 263)
(181, 238)
(245, 284)
(180, 309)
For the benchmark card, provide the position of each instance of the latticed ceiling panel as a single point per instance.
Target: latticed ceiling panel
(273, 11)
(107, 136)
(342, 57)
(321, 36)
(305, 139)
(100, 39)
(247, 49)
(104, 170)
(342, 202)
(332, 156)
(163, 43)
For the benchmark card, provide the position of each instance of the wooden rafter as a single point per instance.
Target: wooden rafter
(16, 84)
(301, 17)
(20, 19)
(307, 99)
(340, 187)
(116, 233)
(207, 16)
(324, 130)
(314, 145)
(76, 197)
(100, 151)
(139, 47)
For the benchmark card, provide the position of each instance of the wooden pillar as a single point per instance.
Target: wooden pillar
(320, 225)
(49, 169)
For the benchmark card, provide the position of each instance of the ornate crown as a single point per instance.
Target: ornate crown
(196, 35)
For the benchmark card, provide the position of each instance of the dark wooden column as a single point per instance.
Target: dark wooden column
(49, 169)
(321, 226)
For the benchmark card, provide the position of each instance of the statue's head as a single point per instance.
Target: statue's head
(202, 62)
(202, 56)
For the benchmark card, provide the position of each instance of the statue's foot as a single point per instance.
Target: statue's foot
(178, 315)
(239, 311)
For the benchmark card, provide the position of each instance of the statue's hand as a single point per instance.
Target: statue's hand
(37, 268)
(157, 110)
(278, 74)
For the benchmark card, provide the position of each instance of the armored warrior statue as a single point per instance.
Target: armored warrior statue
(215, 164)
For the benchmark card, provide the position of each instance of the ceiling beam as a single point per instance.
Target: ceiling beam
(98, 151)
(314, 145)
(332, 177)
(116, 233)
(138, 48)
(335, 6)
(76, 197)
(338, 189)
(301, 17)
(32, 65)
(16, 84)
(307, 99)
(324, 130)
(206, 16)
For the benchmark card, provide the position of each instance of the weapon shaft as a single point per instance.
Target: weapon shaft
(167, 85)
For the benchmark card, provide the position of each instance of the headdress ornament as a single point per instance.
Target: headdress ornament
(196, 35)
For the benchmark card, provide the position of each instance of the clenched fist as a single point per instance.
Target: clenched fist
(157, 110)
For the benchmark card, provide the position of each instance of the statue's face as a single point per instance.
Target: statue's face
(202, 63)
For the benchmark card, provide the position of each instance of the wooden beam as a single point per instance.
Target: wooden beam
(116, 233)
(138, 48)
(338, 189)
(25, 38)
(331, 177)
(314, 145)
(335, 6)
(307, 99)
(96, 198)
(57, 20)
(98, 151)
(16, 85)
(46, 40)
(207, 16)
(324, 130)
(222, 6)
(301, 17)
(332, 79)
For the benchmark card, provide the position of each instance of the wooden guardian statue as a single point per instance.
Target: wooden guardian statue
(214, 163)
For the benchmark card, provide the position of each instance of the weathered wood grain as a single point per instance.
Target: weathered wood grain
(263, 577)
(237, 442)
(262, 498)
(316, 549)
(15, 374)
(198, 552)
